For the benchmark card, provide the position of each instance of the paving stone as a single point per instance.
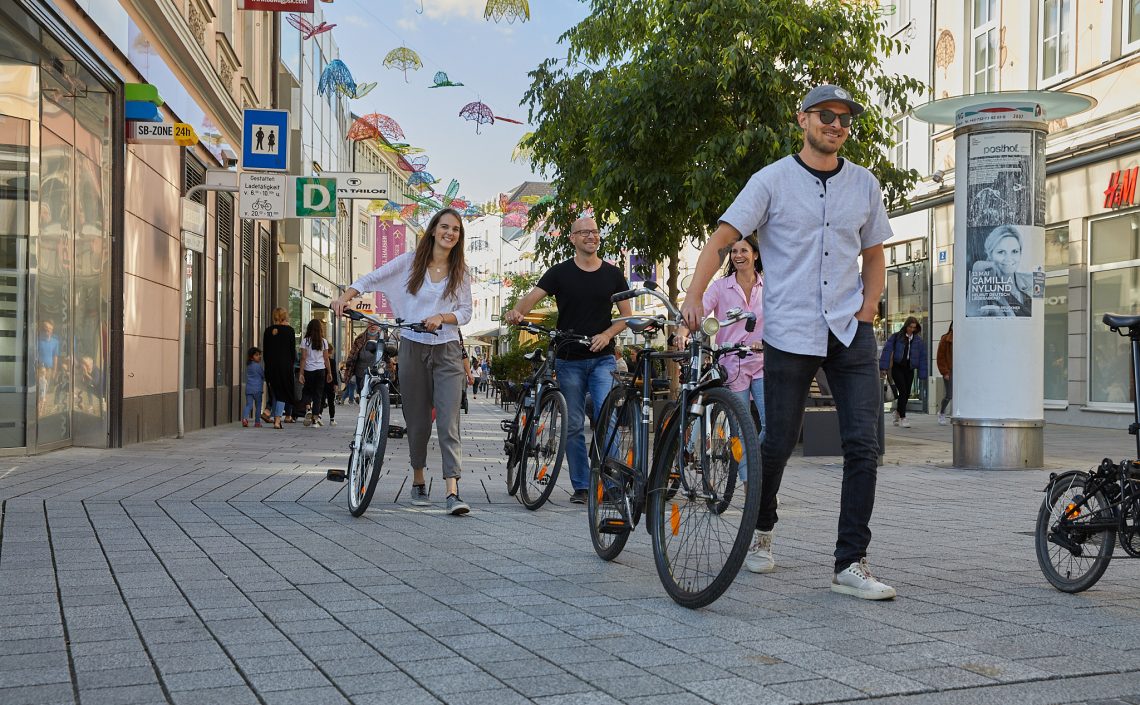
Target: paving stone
(53, 694)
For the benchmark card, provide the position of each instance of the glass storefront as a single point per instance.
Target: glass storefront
(1114, 287)
(55, 243)
(1057, 315)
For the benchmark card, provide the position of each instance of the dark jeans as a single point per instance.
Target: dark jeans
(949, 394)
(853, 374)
(314, 390)
(903, 377)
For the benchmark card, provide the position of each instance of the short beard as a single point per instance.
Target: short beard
(820, 146)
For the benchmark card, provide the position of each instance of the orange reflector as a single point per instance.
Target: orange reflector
(542, 472)
(1071, 511)
(629, 458)
(540, 430)
(522, 420)
(599, 493)
(737, 448)
(720, 432)
(674, 518)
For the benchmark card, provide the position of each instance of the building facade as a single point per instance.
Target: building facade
(92, 260)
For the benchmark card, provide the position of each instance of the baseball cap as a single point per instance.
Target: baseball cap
(828, 92)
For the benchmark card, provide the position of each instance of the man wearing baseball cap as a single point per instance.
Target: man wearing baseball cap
(815, 215)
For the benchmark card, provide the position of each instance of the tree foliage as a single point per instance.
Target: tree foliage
(662, 109)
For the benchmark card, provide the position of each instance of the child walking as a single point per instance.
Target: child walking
(254, 383)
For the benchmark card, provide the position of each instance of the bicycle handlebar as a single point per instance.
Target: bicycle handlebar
(361, 316)
(554, 332)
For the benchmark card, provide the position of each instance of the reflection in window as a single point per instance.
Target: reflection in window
(1057, 337)
(1057, 248)
(1055, 37)
(1110, 374)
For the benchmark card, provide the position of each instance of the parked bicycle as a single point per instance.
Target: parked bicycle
(536, 437)
(366, 456)
(702, 496)
(1084, 513)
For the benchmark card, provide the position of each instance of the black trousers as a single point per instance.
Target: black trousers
(314, 390)
(903, 377)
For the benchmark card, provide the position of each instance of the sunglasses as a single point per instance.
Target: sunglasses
(827, 117)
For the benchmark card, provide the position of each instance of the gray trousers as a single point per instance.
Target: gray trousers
(433, 376)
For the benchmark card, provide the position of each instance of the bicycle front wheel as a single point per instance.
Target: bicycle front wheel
(612, 504)
(1072, 557)
(368, 455)
(701, 512)
(544, 447)
(514, 452)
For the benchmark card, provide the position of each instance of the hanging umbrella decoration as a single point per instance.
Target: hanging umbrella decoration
(413, 164)
(481, 114)
(523, 151)
(440, 80)
(335, 77)
(307, 29)
(375, 125)
(362, 89)
(510, 10)
(421, 178)
(403, 58)
(400, 148)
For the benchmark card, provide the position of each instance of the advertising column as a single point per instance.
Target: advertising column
(999, 273)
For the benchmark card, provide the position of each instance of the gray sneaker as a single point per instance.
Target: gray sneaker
(456, 506)
(420, 496)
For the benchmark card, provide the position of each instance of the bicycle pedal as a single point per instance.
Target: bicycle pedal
(335, 474)
(613, 526)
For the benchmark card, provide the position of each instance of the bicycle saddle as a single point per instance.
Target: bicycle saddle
(640, 325)
(533, 356)
(1121, 320)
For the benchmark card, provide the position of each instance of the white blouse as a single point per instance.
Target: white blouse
(391, 279)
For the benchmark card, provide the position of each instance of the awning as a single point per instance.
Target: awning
(489, 333)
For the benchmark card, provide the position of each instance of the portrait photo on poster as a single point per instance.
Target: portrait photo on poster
(1005, 271)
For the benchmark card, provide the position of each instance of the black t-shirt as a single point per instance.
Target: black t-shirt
(583, 300)
(823, 176)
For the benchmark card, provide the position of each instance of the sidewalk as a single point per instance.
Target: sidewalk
(223, 568)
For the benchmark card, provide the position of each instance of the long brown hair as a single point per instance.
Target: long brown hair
(456, 264)
(315, 333)
(751, 240)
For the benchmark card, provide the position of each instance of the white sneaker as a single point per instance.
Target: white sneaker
(759, 558)
(942, 420)
(332, 422)
(904, 423)
(858, 581)
(317, 421)
(308, 419)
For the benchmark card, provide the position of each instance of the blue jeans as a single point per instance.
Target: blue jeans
(575, 378)
(252, 406)
(754, 393)
(853, 374)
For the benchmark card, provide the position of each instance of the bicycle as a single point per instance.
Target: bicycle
(366, 451)
(1084, 513)
(536, 440)
(702, 496)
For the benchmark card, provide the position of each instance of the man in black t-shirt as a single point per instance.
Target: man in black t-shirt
(581, 287)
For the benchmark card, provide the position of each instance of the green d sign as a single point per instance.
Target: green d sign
(316, 197)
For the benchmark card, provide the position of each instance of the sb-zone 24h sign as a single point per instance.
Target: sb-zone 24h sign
(1121, 189)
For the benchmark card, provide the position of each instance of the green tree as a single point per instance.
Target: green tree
(662, 109)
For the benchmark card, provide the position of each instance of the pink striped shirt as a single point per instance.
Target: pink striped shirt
(721, 295)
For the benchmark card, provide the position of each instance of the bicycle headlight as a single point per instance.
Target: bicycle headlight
(710, 326)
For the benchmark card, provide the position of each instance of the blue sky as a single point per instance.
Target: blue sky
(491, 59)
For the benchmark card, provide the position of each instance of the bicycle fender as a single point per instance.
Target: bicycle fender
(1054, 478)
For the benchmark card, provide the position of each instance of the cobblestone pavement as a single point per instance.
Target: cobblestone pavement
(224, 569)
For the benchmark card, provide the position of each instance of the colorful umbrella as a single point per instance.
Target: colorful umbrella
(335, 76)
(481, 114)
(375, 125)
(510, 9)
(401, 148)
(362, 89)
(403, 58)
(307, 29)
(523, 151)
(414, 164)
(440, 80)
(421, 178)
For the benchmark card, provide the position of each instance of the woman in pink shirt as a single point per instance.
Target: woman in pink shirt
(741, 286)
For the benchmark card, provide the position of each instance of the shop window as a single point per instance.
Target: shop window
(224, 293)
(1057, 248)
(986, 47)
(902, 143)
(195, 174)
(1131, 25)
(1057, 314)
(1114, 287)
(1056, 39)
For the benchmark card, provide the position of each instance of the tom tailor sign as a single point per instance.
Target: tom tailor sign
(351, 184)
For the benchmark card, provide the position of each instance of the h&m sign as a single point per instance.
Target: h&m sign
(1121, 191)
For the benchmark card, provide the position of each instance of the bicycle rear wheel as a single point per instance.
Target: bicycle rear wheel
(612, 504)
(544, 447)
(702, 516)
(1073, 558)
(368, 456)
(514, 454)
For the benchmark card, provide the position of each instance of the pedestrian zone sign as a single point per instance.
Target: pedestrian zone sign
(265, 140)
(313, 197)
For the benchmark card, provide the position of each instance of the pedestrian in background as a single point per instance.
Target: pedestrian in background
(329, 399)
(315, 370)
(476, 375)
(280, 353)
(903, 355)
(945, 360)
(362, 356)
(486, 375)
(254, 382)
(620, 365)
(430, 285)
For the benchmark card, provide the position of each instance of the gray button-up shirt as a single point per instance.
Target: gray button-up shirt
(810, 239)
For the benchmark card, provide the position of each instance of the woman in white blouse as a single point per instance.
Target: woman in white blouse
(430, 285)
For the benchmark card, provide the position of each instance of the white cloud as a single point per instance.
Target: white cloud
(454, 8)
(356, 20)
(406, 24)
